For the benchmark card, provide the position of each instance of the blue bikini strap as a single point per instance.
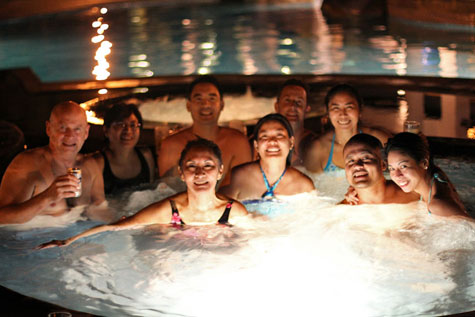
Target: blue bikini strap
(436, 176)
(330, 157)
(270, 190)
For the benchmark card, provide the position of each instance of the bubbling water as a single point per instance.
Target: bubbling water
(379, 259)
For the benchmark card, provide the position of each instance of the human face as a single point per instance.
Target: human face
(273, 141)
(67, 130)
(406, 172)
(363, 165)
(125, 133)
(343, 111)
(201, 170)
(205, 103)
(292, 104)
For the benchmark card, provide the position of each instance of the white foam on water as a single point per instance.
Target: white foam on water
(320, 259)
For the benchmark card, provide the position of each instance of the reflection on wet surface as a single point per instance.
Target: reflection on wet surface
(162, 39)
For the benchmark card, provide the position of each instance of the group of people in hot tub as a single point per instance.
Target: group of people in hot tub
(216, 163)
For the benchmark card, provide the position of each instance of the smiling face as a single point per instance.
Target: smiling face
(406, 172)
(67, 129)
(343, 111)
(124, 133)
(292, 104)
(273, 141)
(201, 169)
(363, 165)
(205, 103)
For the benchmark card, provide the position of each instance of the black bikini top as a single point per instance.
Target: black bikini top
(177, 221)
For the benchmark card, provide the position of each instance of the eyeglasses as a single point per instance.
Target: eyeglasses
(124, 125)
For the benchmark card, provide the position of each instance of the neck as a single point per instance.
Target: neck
(61, 160)
(424, 186)
(121, 155)
(273, 170)
(342, 136)
(202, 201)
(374, 194)
(209, 132)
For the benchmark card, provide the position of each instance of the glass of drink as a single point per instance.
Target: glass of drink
(412, 126)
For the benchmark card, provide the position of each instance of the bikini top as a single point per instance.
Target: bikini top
(269, 194)
(435, 177)
(177, 221)
(330, 167)
(113, 184)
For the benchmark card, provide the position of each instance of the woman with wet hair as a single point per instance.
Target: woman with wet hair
(411, 167)
(124, 166)
(271, 174)
(344, 106)
(200, 167)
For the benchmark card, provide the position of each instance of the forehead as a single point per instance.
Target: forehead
(397, 156)
(343, 96)
(131, 117)
(360, 149)
(204, 88)
(200, 153)
(293, 90)
(272, 125)
(72, 115)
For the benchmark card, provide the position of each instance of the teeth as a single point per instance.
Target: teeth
(273, 150)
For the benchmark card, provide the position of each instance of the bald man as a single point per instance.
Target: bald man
(364, 168)
(37, 183)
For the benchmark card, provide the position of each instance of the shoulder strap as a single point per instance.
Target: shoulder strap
(330, 157)
(225, 216)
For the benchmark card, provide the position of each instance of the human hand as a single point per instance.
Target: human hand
(64, 186)
(51, 244)
(351, 196)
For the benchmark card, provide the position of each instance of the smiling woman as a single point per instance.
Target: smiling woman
(124, 166)
(271, 174)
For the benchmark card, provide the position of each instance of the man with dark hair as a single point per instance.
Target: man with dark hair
(205, 103)
(364, 168)
(292, 104)
(37, 181)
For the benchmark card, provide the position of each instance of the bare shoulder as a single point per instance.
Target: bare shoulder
(178, 138)
(158, 212)
(381, 135)
(244, 169)
(304, 182)
(446, 207)
(232, 135)
(238, 209)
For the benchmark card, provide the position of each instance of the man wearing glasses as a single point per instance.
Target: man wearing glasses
(205, 103)
(40, 181)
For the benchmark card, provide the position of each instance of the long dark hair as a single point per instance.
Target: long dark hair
(277, 117)
(415, 146)
(121, 111)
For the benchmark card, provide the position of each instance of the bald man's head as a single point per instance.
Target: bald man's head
(67, 128)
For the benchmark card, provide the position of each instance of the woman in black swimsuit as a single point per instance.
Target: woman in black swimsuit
(124, 165)
(200, 167)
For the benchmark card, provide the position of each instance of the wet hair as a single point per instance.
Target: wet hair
(201, 143)
(366, 139)
(119, 112)
(413, 145)
(206, 79)
(293, 82)
(277, 117)
(350, 90)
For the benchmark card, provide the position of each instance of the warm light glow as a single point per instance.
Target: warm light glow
(401, 92)
(140, 57)
(96, 24)
(97, 38)
(285, 70)
(203, 70)
(287, 41)
(206, 46)
(471, 133)
(102, 91)
(186, 21)
(140, 90)
(103, 10)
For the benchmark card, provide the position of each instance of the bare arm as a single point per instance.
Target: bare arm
(152, 214)
(232, 190)
(17, 203)
(168, 157)
(312, 160)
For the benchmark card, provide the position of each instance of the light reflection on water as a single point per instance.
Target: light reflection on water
(242, 39)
